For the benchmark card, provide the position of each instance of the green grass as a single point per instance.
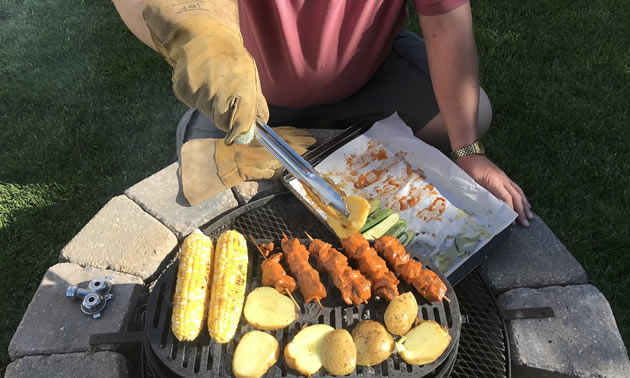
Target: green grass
(86, 111)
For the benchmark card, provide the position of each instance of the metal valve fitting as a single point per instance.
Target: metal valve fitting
(94, 298)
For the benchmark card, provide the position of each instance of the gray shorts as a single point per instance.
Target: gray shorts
(401, 83)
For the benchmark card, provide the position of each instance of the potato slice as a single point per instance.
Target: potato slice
(304, 352)
(424, 343)
(267, 309)
(255, 354)
(374, 344)
(344, 227)
(401, 313)
(339, 354)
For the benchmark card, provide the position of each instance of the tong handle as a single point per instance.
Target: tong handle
(299, 167)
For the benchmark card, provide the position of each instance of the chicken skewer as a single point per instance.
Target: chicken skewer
(267, 248)
(354, 287)
(307, 277)
(428, 284)
(274, 275)
(384, 282)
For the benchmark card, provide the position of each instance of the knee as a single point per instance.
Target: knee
(484, 117)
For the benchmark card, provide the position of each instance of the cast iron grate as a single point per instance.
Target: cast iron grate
(482, 344)
(266, 220)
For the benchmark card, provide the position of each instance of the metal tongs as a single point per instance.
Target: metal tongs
(300, 168)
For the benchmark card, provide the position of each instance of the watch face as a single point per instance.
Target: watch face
(480, 147)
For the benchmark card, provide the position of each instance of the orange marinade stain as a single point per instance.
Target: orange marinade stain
(433, 211)
(417, 171)
(392, 183)
(411, 200)
(380, 155)
(407, 202)
(349, 160)
(368, 178)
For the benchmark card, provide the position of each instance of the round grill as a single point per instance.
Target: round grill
(265, 220)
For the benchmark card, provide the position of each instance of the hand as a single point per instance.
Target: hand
(214, 73)
(488, 175)
(209, 167)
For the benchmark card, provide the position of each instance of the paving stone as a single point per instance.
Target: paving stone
(54, 323)
(581, 340)
(160, 196)
(84, 365)
(532, 257)
(121, 237)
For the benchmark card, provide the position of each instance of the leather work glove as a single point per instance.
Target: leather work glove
(209, 166)
(212, 70)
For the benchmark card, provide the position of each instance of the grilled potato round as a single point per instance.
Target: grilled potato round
(374, 344)
(401, 314)
(339, 354)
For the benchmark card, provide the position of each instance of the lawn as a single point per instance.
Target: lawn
(86, 111)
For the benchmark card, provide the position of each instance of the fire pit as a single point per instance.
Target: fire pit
(477, 348)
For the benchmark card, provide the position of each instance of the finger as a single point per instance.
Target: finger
(517, 201)
(242, 119)
(527, 206)
(501, 193)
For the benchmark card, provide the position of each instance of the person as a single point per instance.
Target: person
(317, 62)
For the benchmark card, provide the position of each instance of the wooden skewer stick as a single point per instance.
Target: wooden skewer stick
(319, 303)
(309, 236)
(258, 247)
(293, 299)
(446, 299)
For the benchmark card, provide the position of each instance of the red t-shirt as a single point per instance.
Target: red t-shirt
(312, 52)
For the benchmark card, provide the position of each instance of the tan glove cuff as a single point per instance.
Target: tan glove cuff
(166, 19)
(199, 175)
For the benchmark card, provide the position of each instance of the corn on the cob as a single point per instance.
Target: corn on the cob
(191, 291)
(228, 286)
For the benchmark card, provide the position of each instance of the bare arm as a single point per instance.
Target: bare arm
(454, 69)
(131, 13)
(452, 57)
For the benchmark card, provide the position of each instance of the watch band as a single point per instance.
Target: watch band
(473, 149)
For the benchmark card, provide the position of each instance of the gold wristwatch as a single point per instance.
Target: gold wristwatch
(472, 149)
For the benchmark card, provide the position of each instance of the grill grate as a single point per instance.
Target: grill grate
(266, 220)
(482, 344)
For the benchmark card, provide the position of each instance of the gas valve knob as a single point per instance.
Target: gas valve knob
(94, 298)
(101, 285)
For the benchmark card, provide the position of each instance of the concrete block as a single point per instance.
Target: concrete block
(252, 190)
(581, 340)
(160, 196)
(54, 323)
(121, 237)
(532, 257)
(84, 365)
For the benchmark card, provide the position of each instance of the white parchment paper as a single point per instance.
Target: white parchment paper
(452, 215)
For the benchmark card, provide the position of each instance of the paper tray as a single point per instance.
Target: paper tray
(318, 154)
